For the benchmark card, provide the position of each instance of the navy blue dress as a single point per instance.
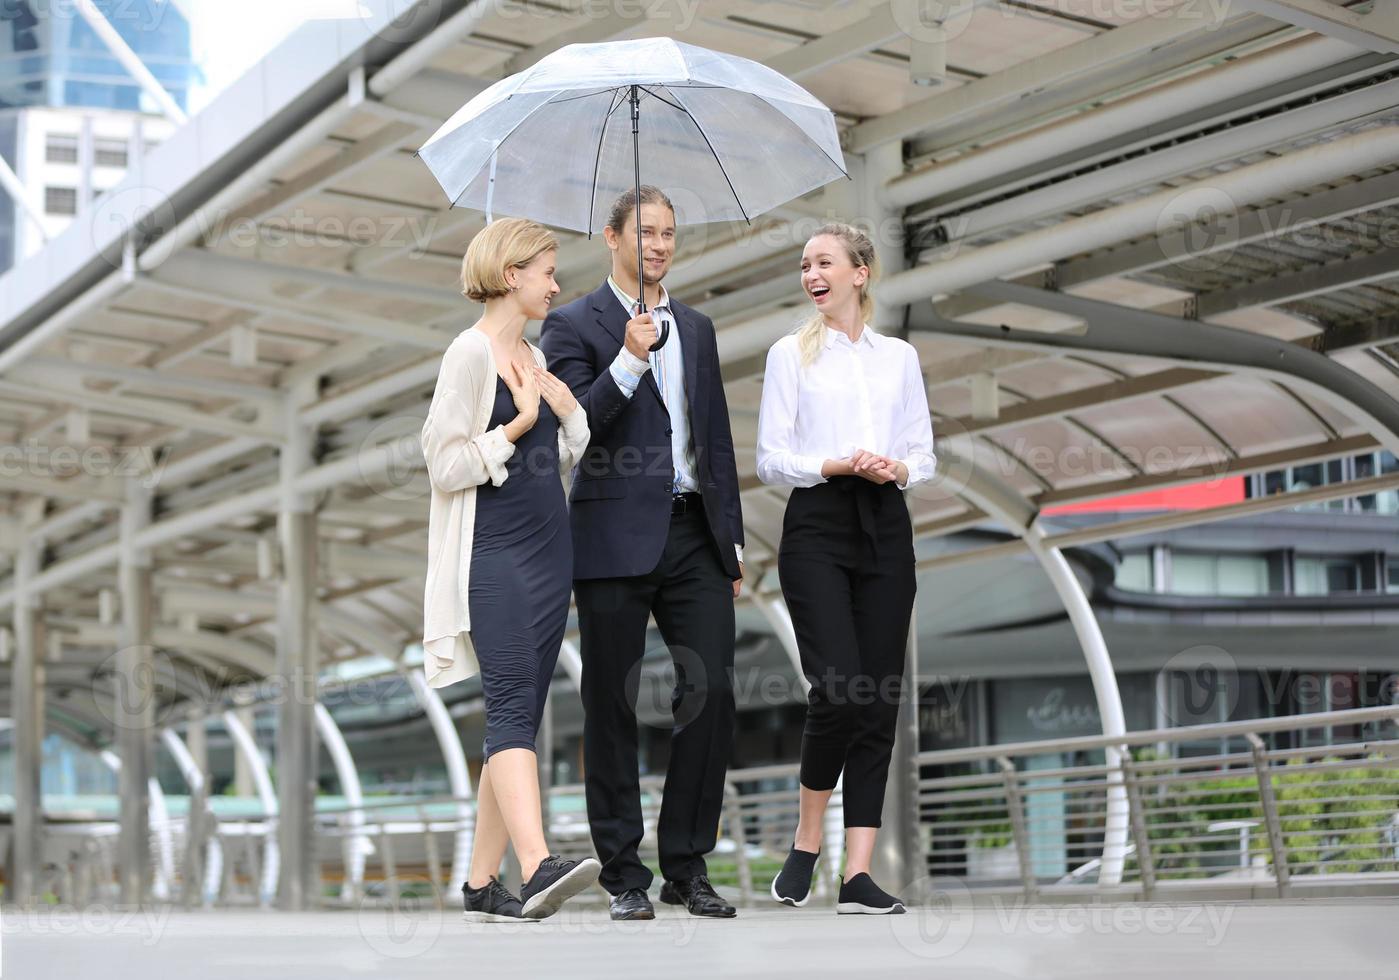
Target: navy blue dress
(521, 574)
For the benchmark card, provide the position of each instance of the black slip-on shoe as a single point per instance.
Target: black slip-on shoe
(631, 904)
(698, 896)
(861, 896)
(492, 902)
(554, 882)
(792, 886)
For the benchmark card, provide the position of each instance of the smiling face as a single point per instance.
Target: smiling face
(535, 285)
(829, 277)
(657, 244)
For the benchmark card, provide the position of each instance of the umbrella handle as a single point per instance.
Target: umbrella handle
(664, 336)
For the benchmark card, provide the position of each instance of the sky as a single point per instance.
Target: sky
(230, 36)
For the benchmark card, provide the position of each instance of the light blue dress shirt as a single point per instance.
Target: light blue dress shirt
(668, 366)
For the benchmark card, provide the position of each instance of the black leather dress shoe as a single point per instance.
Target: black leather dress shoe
(698, 896)
(631, 904)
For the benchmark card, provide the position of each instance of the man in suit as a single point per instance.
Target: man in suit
(656, 530)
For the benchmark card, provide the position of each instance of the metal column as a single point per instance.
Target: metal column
(133, 707)
(297, 747)
(27, 838)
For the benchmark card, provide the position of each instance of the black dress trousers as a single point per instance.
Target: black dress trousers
(692, 598)
(846, 565)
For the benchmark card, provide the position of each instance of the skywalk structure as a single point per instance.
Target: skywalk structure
(1134, 254)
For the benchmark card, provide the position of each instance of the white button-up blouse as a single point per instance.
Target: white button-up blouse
(868, 395)
(461, 455)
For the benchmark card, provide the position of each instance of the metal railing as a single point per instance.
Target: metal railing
(1259, 805)
(1266, 806)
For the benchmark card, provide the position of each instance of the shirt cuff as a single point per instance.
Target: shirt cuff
(627, 370)
(739, 548)
(810, 467)
(920, 470)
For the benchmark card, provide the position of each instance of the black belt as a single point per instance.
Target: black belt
(685, 503)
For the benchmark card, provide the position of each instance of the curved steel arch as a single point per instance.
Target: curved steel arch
(1114, 329)
(1010, 507)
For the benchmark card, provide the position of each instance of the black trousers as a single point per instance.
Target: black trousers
(692, 599)
(847, 571)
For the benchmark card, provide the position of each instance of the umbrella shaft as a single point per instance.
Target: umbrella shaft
(636, 171)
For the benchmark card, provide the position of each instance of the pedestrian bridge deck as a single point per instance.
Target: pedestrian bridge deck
(1278, 940)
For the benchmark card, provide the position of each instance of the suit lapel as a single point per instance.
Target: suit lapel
(613, 318)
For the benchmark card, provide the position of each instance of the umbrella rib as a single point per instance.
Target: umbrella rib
(705, 137)
(840, 166)
(597, 159)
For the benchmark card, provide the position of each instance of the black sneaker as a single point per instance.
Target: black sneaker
(554, 882)
(492, 902)
(792, 886)
(861, 896)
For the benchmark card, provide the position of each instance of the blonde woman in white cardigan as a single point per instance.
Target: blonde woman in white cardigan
(499, 432)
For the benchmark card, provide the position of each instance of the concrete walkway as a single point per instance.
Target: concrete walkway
(1311, 940)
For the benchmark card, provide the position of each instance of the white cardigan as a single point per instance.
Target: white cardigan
(461, 455)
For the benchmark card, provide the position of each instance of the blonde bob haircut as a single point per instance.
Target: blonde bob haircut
(510, 243)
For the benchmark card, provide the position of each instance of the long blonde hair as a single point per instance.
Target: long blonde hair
(860, 250)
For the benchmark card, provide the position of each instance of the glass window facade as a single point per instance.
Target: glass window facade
(1218, 575)
(1334, 471)
(61, 200)
(60, 148)
(50, 56)
(1134, 572)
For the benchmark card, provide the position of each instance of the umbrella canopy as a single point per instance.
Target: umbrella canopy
(725, 137)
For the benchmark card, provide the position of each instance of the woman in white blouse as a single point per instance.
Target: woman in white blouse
(500, 554)
(844, 421)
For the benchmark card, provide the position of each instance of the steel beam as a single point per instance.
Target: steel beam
(1375, 31)
(1123, 330)
(1113, 47)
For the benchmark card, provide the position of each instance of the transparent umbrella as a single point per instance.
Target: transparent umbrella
(726, 137)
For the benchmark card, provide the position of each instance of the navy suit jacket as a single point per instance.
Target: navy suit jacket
(620, 501)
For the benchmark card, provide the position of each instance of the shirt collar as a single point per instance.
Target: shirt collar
(630, 303)
(834, 336)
